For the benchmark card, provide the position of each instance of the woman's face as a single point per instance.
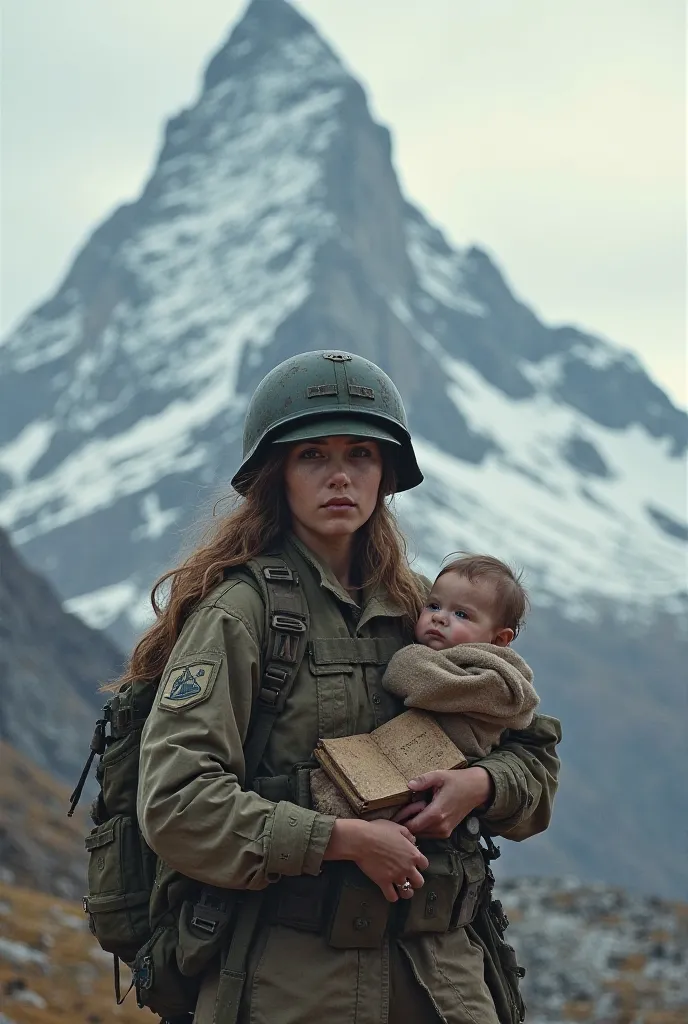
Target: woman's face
(332, 485)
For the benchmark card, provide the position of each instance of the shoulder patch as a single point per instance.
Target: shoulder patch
(188, 684)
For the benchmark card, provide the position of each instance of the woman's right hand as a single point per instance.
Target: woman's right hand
(384, 851)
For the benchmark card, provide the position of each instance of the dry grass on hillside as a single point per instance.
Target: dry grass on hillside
(52, 970)
(39, 844)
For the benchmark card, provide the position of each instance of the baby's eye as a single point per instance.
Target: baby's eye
(461, 614)
(432, 605)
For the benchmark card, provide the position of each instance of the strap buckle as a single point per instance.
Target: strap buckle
(205, 924)
(210, 913)
(270, 695)
(284, 623)
(279, 574)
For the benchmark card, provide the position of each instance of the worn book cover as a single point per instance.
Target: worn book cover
(372, 769)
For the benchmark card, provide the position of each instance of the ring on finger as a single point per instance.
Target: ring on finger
(405, 886)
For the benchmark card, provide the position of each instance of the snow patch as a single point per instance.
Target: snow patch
(155, 520)
(440, 274)
(101, 608)
(19, 457)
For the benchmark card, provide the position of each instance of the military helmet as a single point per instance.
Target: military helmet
(327, 394)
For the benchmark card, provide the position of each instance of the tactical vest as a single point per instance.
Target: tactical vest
(168, 928)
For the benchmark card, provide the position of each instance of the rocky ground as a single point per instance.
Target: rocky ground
(51, 969)
(598, 954)
(593, 953)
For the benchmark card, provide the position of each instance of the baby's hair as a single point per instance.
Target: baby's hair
(511, 601)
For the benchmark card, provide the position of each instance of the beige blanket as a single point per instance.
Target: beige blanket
(476, 690)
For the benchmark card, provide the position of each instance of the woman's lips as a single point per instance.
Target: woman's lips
(339, 503)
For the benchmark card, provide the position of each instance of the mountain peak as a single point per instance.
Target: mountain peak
(267, 25)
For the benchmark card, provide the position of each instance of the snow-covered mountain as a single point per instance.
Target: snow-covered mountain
(274, 222)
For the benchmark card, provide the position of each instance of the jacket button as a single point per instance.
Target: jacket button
(376, 698)
(361, 923)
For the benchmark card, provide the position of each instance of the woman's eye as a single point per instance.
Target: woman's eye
(309, 453)
(361, 452)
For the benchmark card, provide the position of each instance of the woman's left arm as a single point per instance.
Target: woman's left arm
(513, 787)
(524, 770)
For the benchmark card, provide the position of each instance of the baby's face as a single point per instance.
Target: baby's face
(459, 611)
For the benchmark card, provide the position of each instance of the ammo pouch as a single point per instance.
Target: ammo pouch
(340, 903)
(454, 882)
(359, 914)
(431, 908)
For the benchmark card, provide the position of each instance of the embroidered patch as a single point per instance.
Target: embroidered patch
(187, 685)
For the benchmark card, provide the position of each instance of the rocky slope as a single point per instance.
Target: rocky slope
(272, 222)
(40, 847)
(51, 665)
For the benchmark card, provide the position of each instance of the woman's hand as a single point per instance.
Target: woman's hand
(384, 851)
(454, 795)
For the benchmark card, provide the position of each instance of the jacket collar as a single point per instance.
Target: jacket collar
(375, 600)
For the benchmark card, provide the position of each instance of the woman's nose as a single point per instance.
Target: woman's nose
(339, 477)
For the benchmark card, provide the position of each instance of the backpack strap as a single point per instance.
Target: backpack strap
(287, 623)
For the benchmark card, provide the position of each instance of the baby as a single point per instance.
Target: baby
(462, 668)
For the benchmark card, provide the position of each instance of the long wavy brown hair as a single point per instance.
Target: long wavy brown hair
(255, 525)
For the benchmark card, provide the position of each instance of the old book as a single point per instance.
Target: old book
(372, 770)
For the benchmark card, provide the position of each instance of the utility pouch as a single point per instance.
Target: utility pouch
(203, 927)
(466, 841)
(430, 909)
(120, 875)
(156, 977)
(360, 912)
(301, 902)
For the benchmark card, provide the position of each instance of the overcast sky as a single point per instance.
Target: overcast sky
(551, 132)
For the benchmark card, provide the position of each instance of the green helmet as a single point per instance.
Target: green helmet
(326, 394)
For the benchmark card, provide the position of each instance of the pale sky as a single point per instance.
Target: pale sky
(550, 132)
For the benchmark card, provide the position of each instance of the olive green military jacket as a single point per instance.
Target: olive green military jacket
(197, 818)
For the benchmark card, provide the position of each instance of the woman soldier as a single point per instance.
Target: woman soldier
(326, 927)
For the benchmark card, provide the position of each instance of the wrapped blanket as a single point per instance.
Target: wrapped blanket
(476, 690)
